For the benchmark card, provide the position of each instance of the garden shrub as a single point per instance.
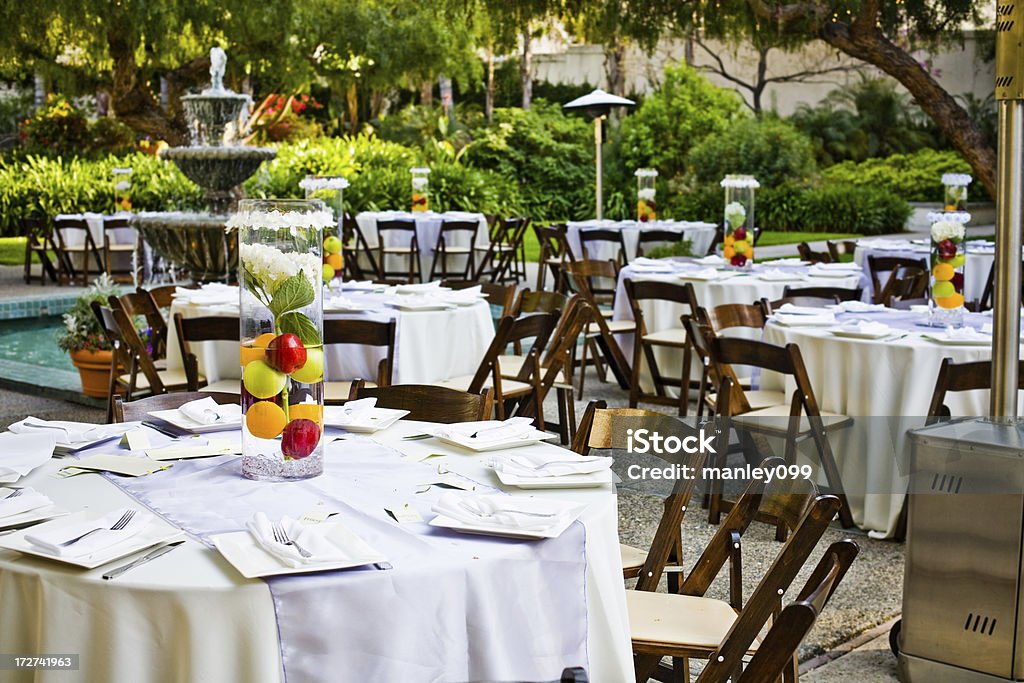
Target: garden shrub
(58, 127)
(769, 149)
(913, 177)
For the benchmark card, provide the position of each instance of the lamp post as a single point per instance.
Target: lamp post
(598, 105)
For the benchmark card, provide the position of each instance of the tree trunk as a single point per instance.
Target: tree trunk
(762, 70)
(427, 93)
(614, 66)
(526, 70)
(489, 93)
(352, 105)
(131, 100)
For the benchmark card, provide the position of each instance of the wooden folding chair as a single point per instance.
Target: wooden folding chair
(498, 296)
(428, 402)
(600, 333)
(808, 254)
(646, 342)
(115, 247)
(445, 248)
(775, 658)
(192, 330)
(888, 264)
(528, 301)
(528, 337)
(805, 301)
(660, 237)
(839, 293)
(841, 252)
(555, 252)
(40, 246)
(375, 333)
(356, 250)
(405, 245)
(799, 420)
(589, 237)
(130, 411)
(141, 303)
(690, 624)
(163, 296)
(905, 282)
(74, 239)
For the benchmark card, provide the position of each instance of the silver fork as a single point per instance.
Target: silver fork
(121, 523)
(15, 494)
(281, 536)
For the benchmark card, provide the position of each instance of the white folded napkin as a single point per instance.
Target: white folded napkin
(419, 288)
(700, 274)
(510, 512)
(823, 318)
(793, 309)
(859, 307)
(343, 303)
(349, 413)
(49, 537)
(488, 431)
(309, 537)
(842, 266)
(775, 274)
(70, 432)
(29, 499)
(22, 453)
(966, 334)
(710, 260)
(886, 245)
(549, 464)
(209, 294)
(359, 284)
(206, 411)
(785, 262)
(465, 296)
(868, 327)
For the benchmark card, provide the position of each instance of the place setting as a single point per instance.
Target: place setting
(503, 515)
(24, 506)
(547, 469)
(362, 416)
(491, 435)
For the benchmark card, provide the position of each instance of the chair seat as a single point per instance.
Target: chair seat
(762, 399)
(170, 378)
(681, 620)
(338, 391)
(758, 419)
(120, 247)
(632, 558)
(400, 250)
(509, 387)
(675, 336)
(615, 326)
(457, 250)
(511, 365)
(224, 386)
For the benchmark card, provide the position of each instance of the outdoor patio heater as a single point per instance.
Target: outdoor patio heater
(598, 105)
(963, 596)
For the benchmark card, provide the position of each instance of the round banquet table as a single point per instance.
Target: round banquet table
(877, 381)
(429, 345)
(746, 288)
(190, 616)
(700, 234)
(980, 257)
(428, 227)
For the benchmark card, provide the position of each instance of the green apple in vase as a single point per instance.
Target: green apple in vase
(262, 380)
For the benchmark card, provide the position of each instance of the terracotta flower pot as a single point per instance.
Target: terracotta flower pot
(94, 369)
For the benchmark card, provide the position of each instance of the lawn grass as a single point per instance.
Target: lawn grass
(12, 251)
(771, 238)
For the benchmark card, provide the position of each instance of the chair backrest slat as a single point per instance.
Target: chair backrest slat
(137, 410)
(430, 403)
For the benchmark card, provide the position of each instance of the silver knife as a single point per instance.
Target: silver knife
(114, 573)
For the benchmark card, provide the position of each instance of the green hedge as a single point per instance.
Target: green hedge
(914, 177)
(769, 149)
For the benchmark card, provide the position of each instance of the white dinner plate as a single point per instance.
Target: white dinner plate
(528, 439)
(852, 334)
(365, 421)
(420, 307)
(833, 274)
(565, 481)
(348, 308)
(155, 532)
(783, 277)
(252, 561)
(942, 338)
(29, 516)
(62, 449)
(182, 421)
(573, 511)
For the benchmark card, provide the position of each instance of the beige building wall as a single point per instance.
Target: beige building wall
(958, 68)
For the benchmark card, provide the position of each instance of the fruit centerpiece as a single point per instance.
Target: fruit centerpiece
(646, 206)
(948, 256)
(420, 189)
(738, 229)
(955, 191)
(281, 318)
(329, 189)
(123, 189)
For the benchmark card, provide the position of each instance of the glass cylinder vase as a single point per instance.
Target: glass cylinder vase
(646, 205)
(955, 191)
(738, 225)
(420, 189)
(281, 325)
(122, 189)
(946, 280)
(329, 190)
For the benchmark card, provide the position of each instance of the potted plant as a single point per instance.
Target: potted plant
(85, 340)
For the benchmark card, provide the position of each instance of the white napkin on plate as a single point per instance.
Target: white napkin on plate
(419, 288)
(777, 275)
(70, 432)
(310, 537)
(831, 267)
(488, 431)
(710, 260)
(823, 318)
(549, 464)
(886, 244)
(29, 499)
(206, 411)
(701, 274)
(22, 453)
(510, 512)
(349, 413)
(209, 294)
(859, 307)
(966, 334)
(470, 295)
(359, 284)
(785, 262)
(793, 309)
(868, 327)
(51, 536)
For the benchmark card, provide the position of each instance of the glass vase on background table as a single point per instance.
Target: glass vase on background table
(646, 205)
(281, 327)
(329, 190)
(738, 223)
(420, 189)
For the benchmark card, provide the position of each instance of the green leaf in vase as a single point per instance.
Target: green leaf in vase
(298, 324)
(292, 294)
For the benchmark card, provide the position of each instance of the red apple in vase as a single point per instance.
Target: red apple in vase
(644, 218)
(286, 353)
(947, 249)
(300, 438)
(739, 234)
(958, 282)
(738, 260)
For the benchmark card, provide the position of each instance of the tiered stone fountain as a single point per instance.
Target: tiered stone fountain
(200, 242)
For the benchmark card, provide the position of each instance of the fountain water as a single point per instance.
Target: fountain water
(200, 242)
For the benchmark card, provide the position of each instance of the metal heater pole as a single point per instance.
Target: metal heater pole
(1009, 208)
(600, 164)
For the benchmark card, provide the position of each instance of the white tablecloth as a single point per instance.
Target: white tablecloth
(191, 617)
(978, 263)
(868, 380)
(700, 234)
(428, 227)
(429, 345)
